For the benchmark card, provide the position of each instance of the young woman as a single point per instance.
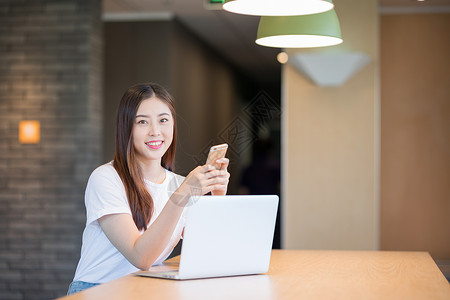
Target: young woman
(135, 204)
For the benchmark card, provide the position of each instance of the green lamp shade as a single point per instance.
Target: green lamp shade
(277, 7)
(318, 30)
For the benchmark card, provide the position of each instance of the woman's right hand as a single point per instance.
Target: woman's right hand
(200, 181)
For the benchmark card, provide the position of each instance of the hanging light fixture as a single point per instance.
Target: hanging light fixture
(305, 31)
(277, 7)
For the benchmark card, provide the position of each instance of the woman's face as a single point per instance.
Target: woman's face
(152, 130)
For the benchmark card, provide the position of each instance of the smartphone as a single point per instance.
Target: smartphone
(216, 152)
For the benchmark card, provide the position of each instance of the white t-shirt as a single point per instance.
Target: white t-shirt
(105, 194)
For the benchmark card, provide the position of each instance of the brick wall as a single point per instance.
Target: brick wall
(50, 71)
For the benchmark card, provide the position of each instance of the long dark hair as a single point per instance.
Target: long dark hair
(140, 200)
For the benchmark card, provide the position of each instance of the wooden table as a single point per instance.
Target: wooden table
(297, 274)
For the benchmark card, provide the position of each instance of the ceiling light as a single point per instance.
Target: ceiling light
(306, 31)
(277, 7)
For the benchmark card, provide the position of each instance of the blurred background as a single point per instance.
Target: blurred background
(363, 165)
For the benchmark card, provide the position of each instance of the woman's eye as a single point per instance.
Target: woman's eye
(164, 120)
(142, 122)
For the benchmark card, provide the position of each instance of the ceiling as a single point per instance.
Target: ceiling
(233, 35)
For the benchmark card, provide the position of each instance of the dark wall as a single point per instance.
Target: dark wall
(134, 52)
(206, 95)
(50, 71)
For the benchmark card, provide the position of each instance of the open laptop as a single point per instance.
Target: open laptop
(225, 236)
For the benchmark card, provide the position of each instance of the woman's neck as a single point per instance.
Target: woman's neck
(152, 171)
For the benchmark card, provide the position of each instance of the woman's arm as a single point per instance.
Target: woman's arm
(143, 250)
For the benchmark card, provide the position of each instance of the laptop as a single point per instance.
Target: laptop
(225, 236)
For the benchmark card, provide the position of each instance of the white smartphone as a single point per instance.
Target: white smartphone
(216, 152)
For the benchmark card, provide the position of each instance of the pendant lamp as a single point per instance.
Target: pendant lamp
(306, 31)
(277, 7)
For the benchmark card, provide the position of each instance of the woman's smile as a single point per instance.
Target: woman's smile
(154, 144)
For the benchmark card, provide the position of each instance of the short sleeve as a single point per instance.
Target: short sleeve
(105, 194)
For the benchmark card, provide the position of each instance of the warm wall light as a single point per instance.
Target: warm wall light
(29, 132)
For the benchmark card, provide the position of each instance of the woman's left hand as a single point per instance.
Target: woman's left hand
(226, 176)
